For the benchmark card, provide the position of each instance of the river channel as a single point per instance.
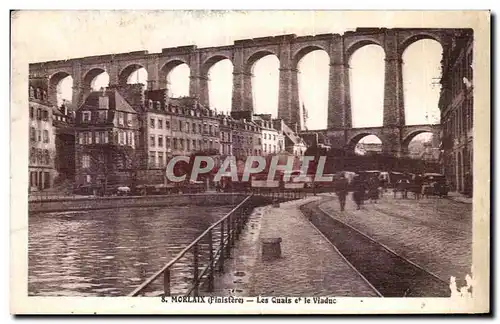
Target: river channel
(109, 252)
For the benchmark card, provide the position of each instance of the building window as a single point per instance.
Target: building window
(152, 123)
(121, 137)
(187, 127)
(33, 134)
(188, 145)
(210, 129)
(39, 135)
(39, 156)
(32, 112)
(160, 123)
(86, 116)
(200, 146)
(160, 141)
(193, 127)
(103, 116)
(161, 163)
(152, 158)
(152, 141)
(86, 161)
(199, 128)
(46, 157)
(181, 143)
(167, 124)
(167, 142)
(274, 148)
(45, 115)
(33, 155)
(194, 144)
(45, 136)
(260, 141)
(175, 143)
(265, 147)
(180, 125)
(120, 118)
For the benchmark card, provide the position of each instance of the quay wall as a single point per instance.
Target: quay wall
(90, 203)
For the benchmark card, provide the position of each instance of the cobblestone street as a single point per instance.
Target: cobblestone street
(309, 266)
(433, 233)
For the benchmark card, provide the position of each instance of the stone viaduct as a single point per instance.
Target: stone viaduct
(244, 53)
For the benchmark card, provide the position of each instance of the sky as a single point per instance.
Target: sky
(112, 32)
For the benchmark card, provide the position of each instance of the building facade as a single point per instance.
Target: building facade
(456, 105)
(126, 135)
(226, 135)
(292, 142)
(272, 139)
(107, 133)
(42, 149)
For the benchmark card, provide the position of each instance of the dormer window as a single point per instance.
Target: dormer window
(103, 102)
(150, 104)
(86, 116)
(158, 105)
(38, 94)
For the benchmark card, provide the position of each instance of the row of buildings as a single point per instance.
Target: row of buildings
(456, 105)
(123, 132)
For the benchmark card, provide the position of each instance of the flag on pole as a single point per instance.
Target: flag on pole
(305, 115)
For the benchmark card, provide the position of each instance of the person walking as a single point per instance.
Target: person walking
(359, 191)
(341, 191)
(373, 190)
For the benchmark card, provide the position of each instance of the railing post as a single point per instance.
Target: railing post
(222, 252)
(229, 236)
(195, 269)
(211, 264)
(166, 282)
(234, 217)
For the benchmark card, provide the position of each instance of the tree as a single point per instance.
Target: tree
(108, 162)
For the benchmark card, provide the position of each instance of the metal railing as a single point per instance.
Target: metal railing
(207, 253)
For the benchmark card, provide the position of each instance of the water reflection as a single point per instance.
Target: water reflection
(109, 252)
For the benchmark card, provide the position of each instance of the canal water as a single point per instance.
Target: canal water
(110, 252)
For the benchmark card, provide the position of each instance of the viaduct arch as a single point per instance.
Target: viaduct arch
(243, 53)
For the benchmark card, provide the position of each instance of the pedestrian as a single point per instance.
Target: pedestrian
(418, 186)
(341, 191)
(373, 191)
(358, 194)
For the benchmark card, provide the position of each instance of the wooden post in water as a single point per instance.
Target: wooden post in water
(166, 282)
(211, 262)
(195, 269)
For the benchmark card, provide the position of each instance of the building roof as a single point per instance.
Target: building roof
(116, 101)
(56, 111)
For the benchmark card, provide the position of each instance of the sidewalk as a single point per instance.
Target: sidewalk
(309, 266)
(456, 196)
